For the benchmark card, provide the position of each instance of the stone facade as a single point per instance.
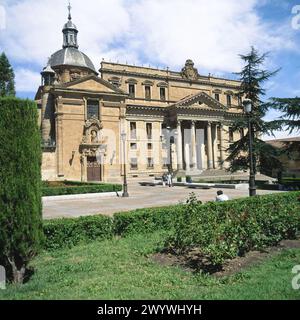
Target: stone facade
(177, 121)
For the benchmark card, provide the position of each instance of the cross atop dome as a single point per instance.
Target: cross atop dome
(69, 8)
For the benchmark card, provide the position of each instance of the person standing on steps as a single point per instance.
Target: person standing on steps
(169, 180)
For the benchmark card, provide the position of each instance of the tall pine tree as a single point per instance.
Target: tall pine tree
(252, 78)
(7, 77)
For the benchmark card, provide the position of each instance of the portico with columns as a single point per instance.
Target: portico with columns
(200, 125)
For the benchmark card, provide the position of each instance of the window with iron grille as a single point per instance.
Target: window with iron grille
(148, 92)
(149, 130)
(162, 94)
(133, 146)
(133, 130)
(228, 100)
(92, 109)
(133, 164)
(150, 163)
(131, 90)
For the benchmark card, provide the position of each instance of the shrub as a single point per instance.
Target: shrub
(145, 220)
(20, 191)
(179, 179)
(69, 232)
(81, 189)
(224, 230)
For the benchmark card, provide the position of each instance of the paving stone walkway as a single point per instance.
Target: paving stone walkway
(140, 197)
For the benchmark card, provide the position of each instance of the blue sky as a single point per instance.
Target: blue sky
(158, 33)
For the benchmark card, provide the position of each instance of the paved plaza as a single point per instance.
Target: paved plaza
(140, 197)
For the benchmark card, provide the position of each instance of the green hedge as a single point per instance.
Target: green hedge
(90, 188)
(221, 229)
(224, 230)
(145, 220)
(69, 232)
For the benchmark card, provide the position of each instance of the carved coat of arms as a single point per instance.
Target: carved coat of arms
(189, 71)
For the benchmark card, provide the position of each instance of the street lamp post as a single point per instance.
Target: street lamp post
(125, 186)
(248, 109)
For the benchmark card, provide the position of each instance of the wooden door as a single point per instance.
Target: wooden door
(93, 169)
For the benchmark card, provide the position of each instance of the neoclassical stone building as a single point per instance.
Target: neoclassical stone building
(173, 120)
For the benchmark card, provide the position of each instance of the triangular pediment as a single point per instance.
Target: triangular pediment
(93, 83)
(200, 100)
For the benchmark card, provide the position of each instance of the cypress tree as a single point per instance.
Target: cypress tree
(252, 78)
(20, 186)
(7, 77)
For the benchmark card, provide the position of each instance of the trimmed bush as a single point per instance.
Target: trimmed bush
(88, 188)
(20, 190)
(224, 230)
(145, 220)
(69, 232)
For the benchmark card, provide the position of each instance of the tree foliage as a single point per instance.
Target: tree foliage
(7, 77)
(252, 77)
(20, 185)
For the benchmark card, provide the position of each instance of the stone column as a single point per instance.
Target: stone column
(193, 145)
(209, 147)
(222, 156)
(179, 146)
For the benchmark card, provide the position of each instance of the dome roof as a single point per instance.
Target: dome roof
(71, 56)
(70, 25)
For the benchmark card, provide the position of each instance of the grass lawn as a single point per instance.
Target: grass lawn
(122, 269)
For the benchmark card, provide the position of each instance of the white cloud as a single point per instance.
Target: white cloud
(27, 80)
(156, 32)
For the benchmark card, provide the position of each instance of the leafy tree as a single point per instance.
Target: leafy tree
(20, 186)
(7, 77)
(252, 78)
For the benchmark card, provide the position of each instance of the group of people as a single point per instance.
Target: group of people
(167, 181)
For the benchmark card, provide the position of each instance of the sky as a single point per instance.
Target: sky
(158, 33)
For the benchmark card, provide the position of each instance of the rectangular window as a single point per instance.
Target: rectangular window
(149, 130)
(133, 164)
(149, 146)
(131, 90)
(229, 100)
(217, 96)
(219, 132)
(150, 164)
(92, 109)
(148, 92)
(162, 94)
(133, 146)
(230, 135)
(132, 130)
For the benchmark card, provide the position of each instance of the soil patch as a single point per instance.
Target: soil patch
(193, 261)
